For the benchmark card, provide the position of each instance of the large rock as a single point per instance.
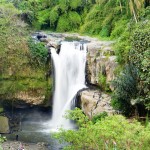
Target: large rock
(4, 124)
(101, 61)
(94, 102)
(34, 98)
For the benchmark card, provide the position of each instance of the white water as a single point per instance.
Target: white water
(69, 66)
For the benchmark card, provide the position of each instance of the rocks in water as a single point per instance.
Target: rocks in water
(41, 35)
(56, 45)
(4, 124)
(17, 145)
(94, 102)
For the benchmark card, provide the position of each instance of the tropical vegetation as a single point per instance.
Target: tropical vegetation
(107, 132)
(23, 63)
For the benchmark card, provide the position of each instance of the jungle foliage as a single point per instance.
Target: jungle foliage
(99, 17)
(133, 53)
(22, 63)
(125, 21)
(108, 132)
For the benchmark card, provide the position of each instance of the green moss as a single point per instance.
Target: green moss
(1, 109)
(102, 81)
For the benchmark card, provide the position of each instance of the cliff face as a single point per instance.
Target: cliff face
(100, 62)
(100, 71)
(94, 102)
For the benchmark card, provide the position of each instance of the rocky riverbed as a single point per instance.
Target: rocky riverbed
(17, 145)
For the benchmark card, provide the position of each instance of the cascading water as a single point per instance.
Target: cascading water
(69, 67)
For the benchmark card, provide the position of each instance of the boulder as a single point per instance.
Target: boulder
(4, 124)
(94, 102)
(41, 35)
(31, 97)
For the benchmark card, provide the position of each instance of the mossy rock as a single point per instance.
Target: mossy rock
(4, 124)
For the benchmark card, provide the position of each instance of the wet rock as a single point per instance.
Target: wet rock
(4, 125)
(94, 102)
(17, 145)
(44, 40)
(41, 35)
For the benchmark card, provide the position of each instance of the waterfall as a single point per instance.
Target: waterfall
(69, 66)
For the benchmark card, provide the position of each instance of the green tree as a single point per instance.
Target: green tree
(110, 132)
(125, 90)
(13, 47)
(18, 70)
(140, 56)
(134, 94)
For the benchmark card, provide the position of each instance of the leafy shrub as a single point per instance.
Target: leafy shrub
(43, 18)
(38, 52)
(69, 22)
(119, 28)
(122, 47)
(99, 117)
(2, 138)
(133, 47)
(105, 32)
(63, 24)
(111, 132)
(139, 56)
(125, 89)
(78, 116)
(74, 4)
(54, 15)
(102, 81)
(63, 5)
(74, 19)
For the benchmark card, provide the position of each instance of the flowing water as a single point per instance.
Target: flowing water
(69, 66)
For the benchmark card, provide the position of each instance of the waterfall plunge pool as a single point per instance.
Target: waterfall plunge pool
(69, 71)
(32, 127)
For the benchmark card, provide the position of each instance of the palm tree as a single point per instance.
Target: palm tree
(135, 6)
